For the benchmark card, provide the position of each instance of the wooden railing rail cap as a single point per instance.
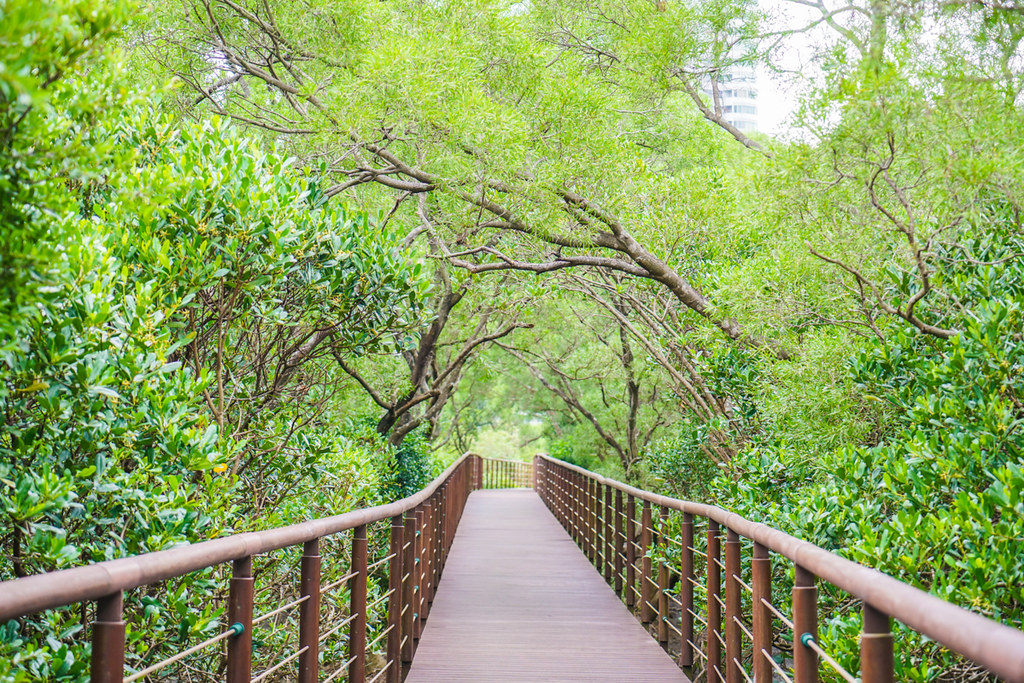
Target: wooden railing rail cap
(997, 647)
(33, 594)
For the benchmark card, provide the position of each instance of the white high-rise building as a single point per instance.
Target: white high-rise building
(737, 92)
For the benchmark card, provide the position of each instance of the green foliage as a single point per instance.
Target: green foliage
(119, 225)
(678, 463)
(938, 502)
(414, 465)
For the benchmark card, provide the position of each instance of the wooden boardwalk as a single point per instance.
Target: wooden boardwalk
(518, 601)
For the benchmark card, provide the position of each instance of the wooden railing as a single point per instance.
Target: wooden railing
(725, 631)
(725, 621)
(507, 474)
(416, 544)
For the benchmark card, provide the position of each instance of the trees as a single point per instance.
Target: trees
(525, 173)
(174, 302)
(595, 373)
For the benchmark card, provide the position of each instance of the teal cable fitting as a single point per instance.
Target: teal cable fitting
(237, 628)
(806, 639)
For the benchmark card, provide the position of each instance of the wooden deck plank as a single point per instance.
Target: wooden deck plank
(518, 601)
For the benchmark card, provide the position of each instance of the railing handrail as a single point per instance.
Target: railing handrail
(31, 594)
(995, 646)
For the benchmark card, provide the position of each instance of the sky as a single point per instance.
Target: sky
(778, 93)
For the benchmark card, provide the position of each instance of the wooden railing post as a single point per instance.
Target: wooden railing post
(577, 505)
(620, 542)
(805, 625)
(877, 662)
(761, 575)
(309, 613)
(394, 662)
(609, 535)
(108, 638)
(663, 604)
(595, 521)
(686, 580)
(429, 521)
(630, 551)
(733, 634)
(419, 604)
(409, 585)
(357, 608)
(646, 580)
(240, 592)
(714, 578)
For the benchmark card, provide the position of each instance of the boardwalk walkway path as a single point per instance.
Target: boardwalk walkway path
(518, 601)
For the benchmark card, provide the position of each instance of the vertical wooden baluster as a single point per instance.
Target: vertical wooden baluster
(714, 571)
(108, 638)
(585, 515)
(447, 530)
(877, 660)
(439, 539)
(565, 494)
(240, 591)
(435, 545)
(428, 558)
(663, 604)
(574, 502)
(570, 502)
(595, 543)
(646, 578)
(630, 551)
(733, 644)
(395, 600)
(418, 603)
(556, 492)
(580, 509)
(609, 535)
(592, 519)
(761, 574)
(309, 612)
(686, 591)
(553, 487)
(576, 512)
(408, 585)
(805, 624)
(620, 542)
(357, 608)
(588, 484)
